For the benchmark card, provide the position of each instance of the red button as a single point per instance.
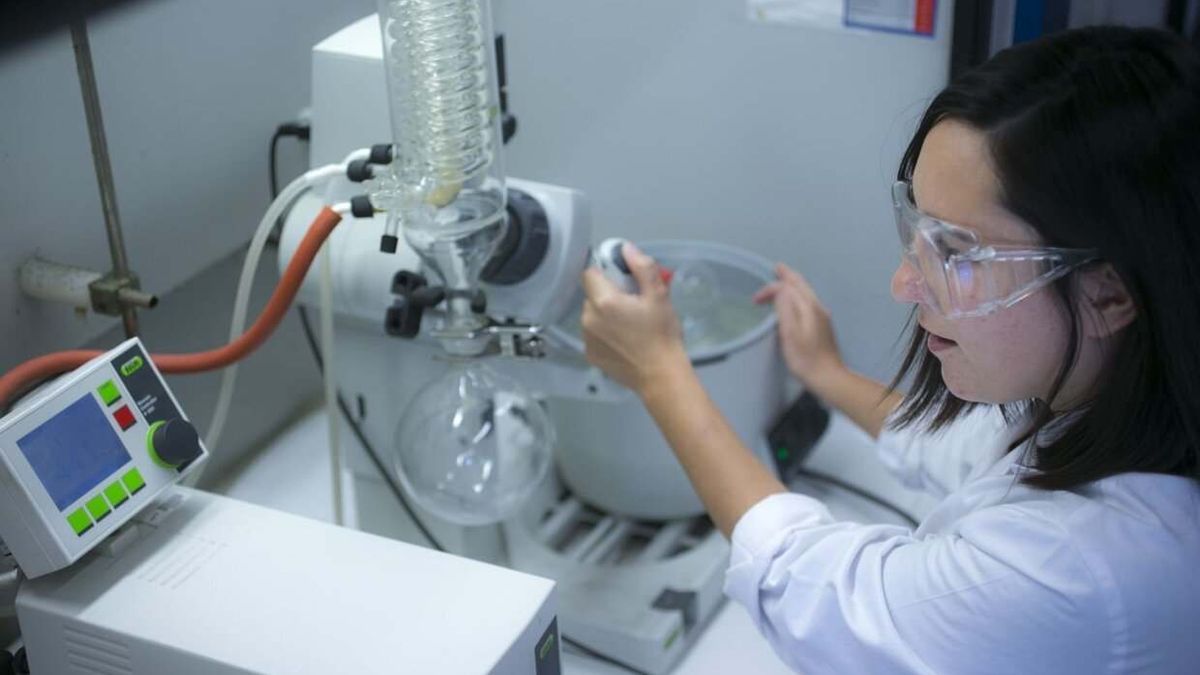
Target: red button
(124, 417)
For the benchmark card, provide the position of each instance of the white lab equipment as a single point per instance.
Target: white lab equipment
(138, 575)
(616, 523)
(634, 584)
(441, 184)
(81, 459)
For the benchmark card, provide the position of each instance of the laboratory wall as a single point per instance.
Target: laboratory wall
(684, 119)
(190, 92)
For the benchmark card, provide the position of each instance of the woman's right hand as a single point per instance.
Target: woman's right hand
(805, 330)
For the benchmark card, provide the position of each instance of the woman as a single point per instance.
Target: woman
(1049, 215)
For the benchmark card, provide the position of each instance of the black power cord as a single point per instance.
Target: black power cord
(299, 130)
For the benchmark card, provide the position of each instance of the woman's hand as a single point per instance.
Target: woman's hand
(634, 339)
(805, 331)
(637, 341)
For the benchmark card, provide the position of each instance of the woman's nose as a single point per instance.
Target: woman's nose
(907, 284)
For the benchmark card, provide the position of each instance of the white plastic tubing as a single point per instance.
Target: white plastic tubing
(311, 180)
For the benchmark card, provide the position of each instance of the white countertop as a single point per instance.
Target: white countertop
(292, 474)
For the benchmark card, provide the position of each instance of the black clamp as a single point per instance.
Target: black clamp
(388, 243)
(381, 153)
(415, 296)
(361, 207)
(359, 170)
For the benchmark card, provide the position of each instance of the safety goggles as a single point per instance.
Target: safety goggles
(963, 277)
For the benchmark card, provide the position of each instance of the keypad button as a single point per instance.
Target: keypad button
(109, 393)
(116, 494)
(124, 417)
(133, 481)
(97, 507)
(80, 521)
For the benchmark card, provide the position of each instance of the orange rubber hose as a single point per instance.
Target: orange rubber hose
(285, 292)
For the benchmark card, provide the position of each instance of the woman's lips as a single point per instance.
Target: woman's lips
(937, 343)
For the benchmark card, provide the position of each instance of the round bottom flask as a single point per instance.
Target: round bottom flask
(473, 445)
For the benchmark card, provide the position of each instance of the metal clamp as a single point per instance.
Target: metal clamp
(523, 341)
(115, 293)
(513, 340)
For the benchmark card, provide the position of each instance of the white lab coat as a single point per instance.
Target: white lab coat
(999, 578)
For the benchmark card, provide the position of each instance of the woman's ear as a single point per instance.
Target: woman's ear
(1107, 306)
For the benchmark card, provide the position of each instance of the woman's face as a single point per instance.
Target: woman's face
(1010, 355)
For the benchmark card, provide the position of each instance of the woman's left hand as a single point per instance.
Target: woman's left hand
(634, 339)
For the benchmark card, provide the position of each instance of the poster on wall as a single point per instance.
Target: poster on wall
(908, 17)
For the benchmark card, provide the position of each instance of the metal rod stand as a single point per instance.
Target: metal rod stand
(100, 158)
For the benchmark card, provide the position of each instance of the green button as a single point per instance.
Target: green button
(109, 393)
(133, 481)
(116, 494)
(132, 366)
(79, 520)
(97, 507)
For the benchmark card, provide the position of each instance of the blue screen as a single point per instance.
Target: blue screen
(74, 451)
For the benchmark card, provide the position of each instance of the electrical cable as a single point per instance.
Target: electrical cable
(857, 491)
(21, 376)
(271, 161)
(296, 129)
(607, 660)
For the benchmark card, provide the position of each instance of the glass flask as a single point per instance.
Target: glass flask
(473, 445)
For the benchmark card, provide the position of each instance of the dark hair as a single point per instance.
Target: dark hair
(1095, 137)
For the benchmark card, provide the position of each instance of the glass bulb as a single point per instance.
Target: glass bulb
(473, 445)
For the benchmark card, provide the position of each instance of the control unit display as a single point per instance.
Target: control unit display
(74, 451)
(81, 459)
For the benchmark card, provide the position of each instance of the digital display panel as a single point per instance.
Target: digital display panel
(74, 451)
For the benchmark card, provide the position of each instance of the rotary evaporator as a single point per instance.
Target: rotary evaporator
(456, 326)
(473, 444)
